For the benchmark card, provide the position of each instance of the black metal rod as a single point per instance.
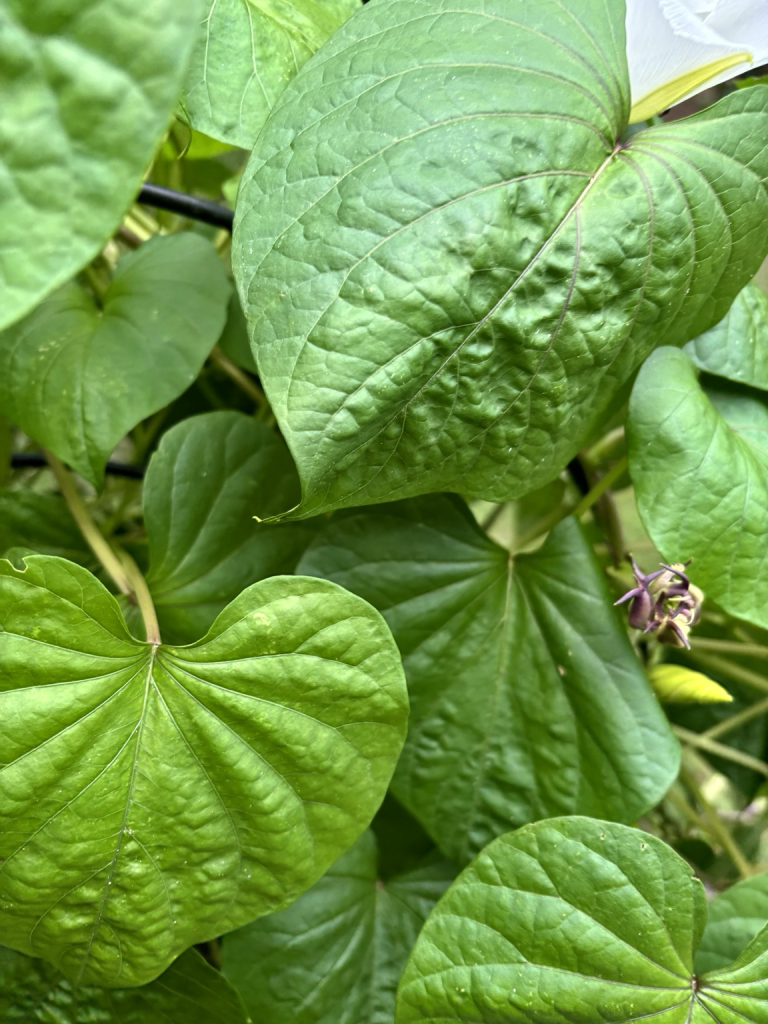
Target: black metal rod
(186, 205)
(36, 460)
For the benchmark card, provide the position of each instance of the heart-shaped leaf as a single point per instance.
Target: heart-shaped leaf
(735, 918)
(572, 921)
(77, 377)
(245, 56)
(450, 257)
(86, 89)
(737, 348)
(209, 477)
(154, 797)
(189, 992)
(335, 956)
(527, 699)
(699, 463)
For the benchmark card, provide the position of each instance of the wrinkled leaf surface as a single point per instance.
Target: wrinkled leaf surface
(86, 89)
(451, 261)
(154, 797)
(571, 921)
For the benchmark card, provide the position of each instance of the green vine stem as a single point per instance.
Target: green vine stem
(143, 598)
(717, 827)
(121, 567)
(240, 377)
(728, 668)
(734, 721)
(747, 650)
(602, 485)
(710, 746)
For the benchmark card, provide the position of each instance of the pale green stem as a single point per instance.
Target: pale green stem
(87, 526)
(606, 447)
(710, 746)
(748, 650)
(729, 668)
(602, 485)
(121, 567)
(143, 598)
(676, 797)
(718, 828)
(493, 516)
(240, 377)
(734, 721)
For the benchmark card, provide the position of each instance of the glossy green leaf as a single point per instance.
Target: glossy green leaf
(526, 697)
(78, 377)
(42, 523)
(737, 348)
(207, 480)
(735, 917)
(675, 684)
(86, 89)
(246, 54)
(573, 921)
(449, 258)
(154, 797)
(189, 992)
(335, 956)
(699, 464)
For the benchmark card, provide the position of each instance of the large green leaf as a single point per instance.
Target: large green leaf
(449, 258)
(208, 479)
(735, 917)
(737, 348)
(86, 89)
(245, 56)
(154, 797)
(527, 699)
(77, 377)
(189, 992)
(699, 464)
(335, 956)
(573, 921)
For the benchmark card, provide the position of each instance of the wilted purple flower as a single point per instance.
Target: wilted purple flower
(664, 602)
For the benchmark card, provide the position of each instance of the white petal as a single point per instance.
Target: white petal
(744, 22)
(673, 53)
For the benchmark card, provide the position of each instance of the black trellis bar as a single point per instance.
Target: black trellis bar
(185, 205)
(36, 460)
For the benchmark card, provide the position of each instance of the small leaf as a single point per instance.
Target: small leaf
(572, 921)
(189, 992)
(737, 348)
(154, 797)
(85, 92)
(209, 477)
(77, 378)
(675, 684)
(527, 698)
(451, 259)
(699, 463)
(335, 956)
(735, 917)
(245, 56)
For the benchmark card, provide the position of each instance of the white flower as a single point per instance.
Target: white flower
(677, 48)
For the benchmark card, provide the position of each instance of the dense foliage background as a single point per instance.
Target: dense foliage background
(315, 706)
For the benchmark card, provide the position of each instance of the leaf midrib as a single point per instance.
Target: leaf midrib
(148, 683)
